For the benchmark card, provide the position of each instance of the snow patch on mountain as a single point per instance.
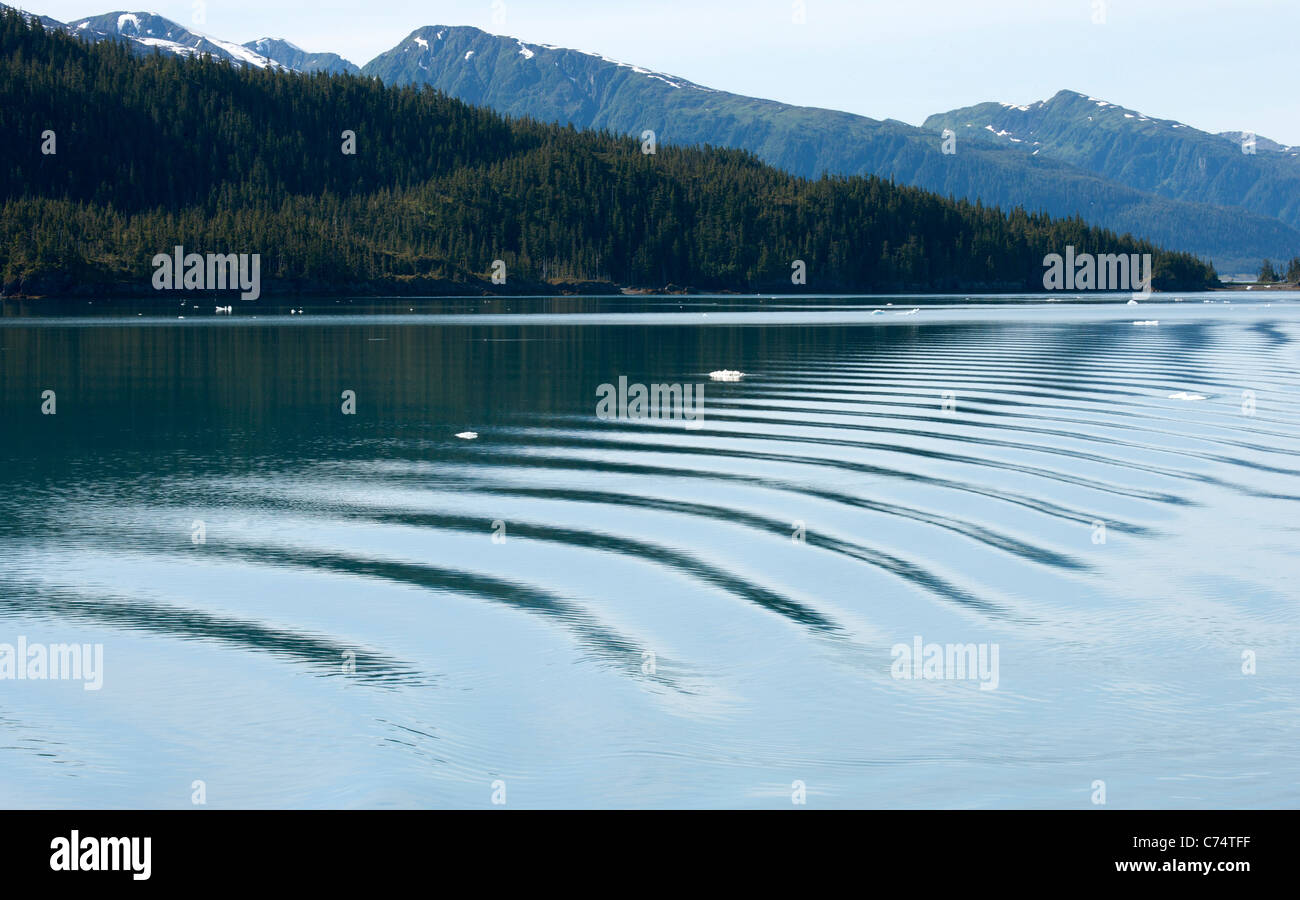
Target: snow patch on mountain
(169, 46)
(240, 53)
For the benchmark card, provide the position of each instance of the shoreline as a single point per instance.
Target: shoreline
(282, 293)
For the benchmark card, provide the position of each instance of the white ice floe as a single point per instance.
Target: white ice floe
(726, 375)
(1184, 395)
(1147, 322)
(467, 435)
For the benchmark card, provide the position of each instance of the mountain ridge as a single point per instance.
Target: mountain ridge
(291, 56)
(587, 90)
(994, 164)
(441, 196)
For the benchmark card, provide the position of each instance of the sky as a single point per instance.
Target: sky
(1218, 65)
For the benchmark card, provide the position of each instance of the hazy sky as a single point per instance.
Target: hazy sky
(1218, 65)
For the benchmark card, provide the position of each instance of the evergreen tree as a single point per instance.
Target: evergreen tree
(1293, 271)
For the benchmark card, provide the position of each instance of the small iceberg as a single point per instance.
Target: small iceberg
(726, 375)
(467, 435)
(1147, 322)
(1184, 395)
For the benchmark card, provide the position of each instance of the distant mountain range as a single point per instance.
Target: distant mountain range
(1069, 155)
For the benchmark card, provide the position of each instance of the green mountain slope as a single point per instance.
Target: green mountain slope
(1156, 155)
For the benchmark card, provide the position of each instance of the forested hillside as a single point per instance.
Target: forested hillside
(160, 151)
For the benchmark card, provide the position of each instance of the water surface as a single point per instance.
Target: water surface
(675, 617)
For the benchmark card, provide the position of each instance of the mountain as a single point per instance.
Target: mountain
(294, 57)
(147, 32)
(46, 21)
(1071, 155)
(438, 191)
(1160, 156)
(554, 84)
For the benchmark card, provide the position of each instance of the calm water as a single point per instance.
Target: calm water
(675, 617)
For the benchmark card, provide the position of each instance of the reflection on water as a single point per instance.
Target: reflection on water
(305, 608)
